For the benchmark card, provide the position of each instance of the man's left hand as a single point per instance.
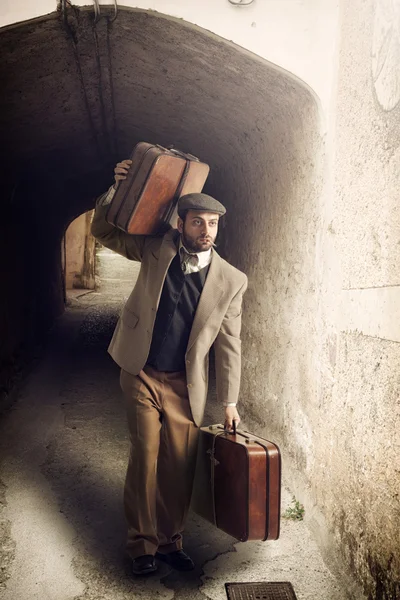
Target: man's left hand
(231, 414)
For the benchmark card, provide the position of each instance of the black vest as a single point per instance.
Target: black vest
(178, 303)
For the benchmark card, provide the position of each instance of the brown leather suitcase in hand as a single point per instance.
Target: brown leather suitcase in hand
(237, 484)
(144, 203)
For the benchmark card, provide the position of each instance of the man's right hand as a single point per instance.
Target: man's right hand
(121, 170)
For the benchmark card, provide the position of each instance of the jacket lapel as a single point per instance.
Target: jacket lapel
(168, 250)
(210, 296)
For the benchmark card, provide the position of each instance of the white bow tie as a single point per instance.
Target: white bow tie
(189, 262)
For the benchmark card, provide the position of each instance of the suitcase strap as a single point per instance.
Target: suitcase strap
(170, 209)
(213, 461)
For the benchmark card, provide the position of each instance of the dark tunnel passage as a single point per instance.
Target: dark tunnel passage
(77, 98)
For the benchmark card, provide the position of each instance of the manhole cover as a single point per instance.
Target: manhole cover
(274, 590)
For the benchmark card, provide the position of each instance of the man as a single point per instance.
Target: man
(186, 299)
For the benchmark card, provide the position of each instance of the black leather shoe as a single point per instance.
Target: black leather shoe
(178, 560)
(142, 565)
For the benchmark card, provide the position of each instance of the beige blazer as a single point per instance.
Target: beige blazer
(217, 320)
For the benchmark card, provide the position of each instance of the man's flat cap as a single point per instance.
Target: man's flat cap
(199, 202)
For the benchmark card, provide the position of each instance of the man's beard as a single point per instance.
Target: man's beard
(197, 244)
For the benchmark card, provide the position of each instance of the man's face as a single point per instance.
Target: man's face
(199, 230)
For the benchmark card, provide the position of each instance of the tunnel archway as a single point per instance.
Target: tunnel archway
(77, 98)
(319, 254)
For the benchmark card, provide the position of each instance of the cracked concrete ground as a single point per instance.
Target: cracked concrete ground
(64, 448)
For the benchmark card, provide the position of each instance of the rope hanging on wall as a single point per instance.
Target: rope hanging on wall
(110, 137)
(72, 36)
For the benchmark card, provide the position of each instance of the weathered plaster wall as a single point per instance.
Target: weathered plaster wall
(79, 257)
(360, 459)
(321, 328)
(321, 335)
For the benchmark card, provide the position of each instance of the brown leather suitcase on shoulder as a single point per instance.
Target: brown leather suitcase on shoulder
(144, 203)
(237, 483)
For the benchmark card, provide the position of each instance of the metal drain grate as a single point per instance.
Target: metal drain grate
(274, 590)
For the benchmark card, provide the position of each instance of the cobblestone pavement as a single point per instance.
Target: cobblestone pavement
(64, 448)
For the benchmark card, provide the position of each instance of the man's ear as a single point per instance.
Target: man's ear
(180, 225)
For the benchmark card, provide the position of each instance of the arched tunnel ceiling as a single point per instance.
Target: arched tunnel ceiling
(170, 83)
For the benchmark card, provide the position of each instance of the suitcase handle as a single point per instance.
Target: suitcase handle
(183, 155)
(224, 430)
(233, 431)
(179, 153)
(248, 438)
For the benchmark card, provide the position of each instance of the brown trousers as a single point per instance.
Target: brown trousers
(162, 460)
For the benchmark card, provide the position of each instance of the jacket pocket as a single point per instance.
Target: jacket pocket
(129, 318)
